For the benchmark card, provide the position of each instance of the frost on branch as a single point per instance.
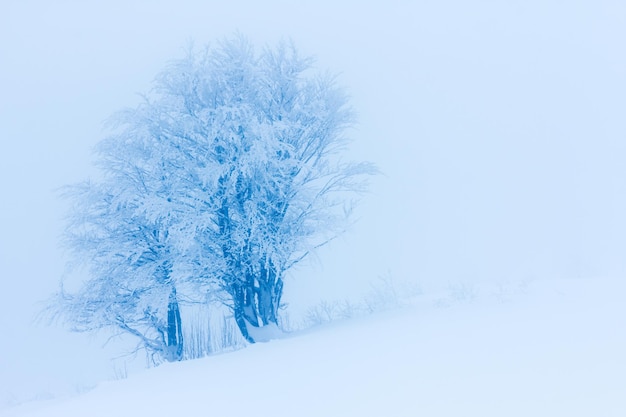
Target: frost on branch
(227, 175)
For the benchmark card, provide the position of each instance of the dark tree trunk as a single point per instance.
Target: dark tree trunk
(256, 288)
(268, 295)
(244, 310)
(174, 329)
(256, 303)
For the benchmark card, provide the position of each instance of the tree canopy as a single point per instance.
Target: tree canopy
(225, 176)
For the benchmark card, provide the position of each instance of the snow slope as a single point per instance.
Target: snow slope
(546, 349)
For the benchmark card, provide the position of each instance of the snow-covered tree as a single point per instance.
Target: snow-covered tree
(258, 137)
(129, 253)
(232, 164)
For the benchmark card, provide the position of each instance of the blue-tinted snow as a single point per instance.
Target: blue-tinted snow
(499, 127)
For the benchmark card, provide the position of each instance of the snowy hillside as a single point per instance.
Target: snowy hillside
(541, 349)
(499, 128)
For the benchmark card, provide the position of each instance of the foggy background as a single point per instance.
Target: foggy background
(499, 127)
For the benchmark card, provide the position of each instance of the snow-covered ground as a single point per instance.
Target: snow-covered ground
(499, 127)
(544, 348)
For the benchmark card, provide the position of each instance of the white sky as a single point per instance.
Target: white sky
(499, 126)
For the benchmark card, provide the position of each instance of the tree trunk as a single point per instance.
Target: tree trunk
(256, 304)
(244, 310)
(174, 330)
(268, 295)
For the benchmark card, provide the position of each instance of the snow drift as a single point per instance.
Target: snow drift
(545, 349)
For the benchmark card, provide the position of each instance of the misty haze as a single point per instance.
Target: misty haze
(480, 271)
